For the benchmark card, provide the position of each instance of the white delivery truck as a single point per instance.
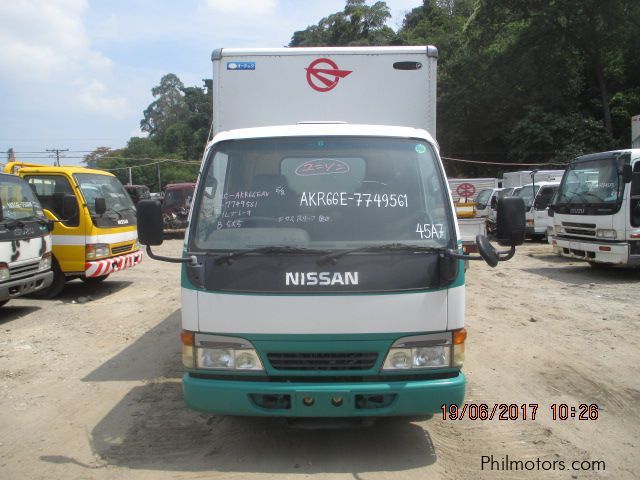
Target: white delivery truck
(25, 240)
(596, 213)
(322, 263)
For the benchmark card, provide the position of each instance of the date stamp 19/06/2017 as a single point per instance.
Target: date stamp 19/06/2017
(518, 411)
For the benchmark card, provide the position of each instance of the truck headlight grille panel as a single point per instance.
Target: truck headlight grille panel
(322, 361)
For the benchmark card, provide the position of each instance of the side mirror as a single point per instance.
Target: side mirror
(50, 225)
(101, 206)
(69, 207)
(511, 221)
(494, 203)
(1, 212)
(627, 173)
(150, 223)
(551, 211)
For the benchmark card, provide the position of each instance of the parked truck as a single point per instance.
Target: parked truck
(322, 262)
(25, 242)
(596, 213)
(94, 221)
(537, 197)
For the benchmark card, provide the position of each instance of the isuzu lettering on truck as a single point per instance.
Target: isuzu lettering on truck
(322, 270)
(596, 214)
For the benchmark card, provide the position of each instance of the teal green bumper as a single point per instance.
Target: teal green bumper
(388, 398)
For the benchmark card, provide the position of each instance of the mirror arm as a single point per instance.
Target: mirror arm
(460, 256)
(192, 259)
(503, 254)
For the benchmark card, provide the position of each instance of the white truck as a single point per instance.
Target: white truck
(596, 213)
(25, 240)
(322, 262)
(537, 198)
(464, 192)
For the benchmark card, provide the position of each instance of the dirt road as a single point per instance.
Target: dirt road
(90, 387)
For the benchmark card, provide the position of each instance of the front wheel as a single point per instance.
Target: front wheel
(94, 280)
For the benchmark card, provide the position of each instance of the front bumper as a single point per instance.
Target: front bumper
(616, 253)
(100, 268)
(357, 399)
(23, 286)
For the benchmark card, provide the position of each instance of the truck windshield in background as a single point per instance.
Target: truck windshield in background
(120, 209)
(19, 202)
(330, 193)
(594, 183)
(528, 194)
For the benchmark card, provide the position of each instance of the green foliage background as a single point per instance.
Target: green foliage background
(519, 81)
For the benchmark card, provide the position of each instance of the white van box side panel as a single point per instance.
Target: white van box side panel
(456, 305)
(320, 314)
(258, 88)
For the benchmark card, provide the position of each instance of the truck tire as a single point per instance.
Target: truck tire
(94, 280)
(56, 286)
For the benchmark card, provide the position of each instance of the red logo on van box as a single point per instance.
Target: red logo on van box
(321, 166)
(466, 190)
(323, 74)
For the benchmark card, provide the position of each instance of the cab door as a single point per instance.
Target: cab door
(68, 234)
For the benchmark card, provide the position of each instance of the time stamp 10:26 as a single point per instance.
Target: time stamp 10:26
(518, 411)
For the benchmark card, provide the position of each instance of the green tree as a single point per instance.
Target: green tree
(357, 24)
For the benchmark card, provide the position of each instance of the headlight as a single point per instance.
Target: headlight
(438, 350)
(96, 250)
(606, 233)
(5, 274)
(45, 262)
(214, 352)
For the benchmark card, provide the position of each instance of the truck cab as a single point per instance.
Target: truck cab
(25, 242)
(596, 213)
(537, 198)
(94, 221)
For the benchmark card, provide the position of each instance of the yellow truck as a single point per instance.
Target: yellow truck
(94, 230)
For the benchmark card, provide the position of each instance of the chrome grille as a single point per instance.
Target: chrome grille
(586, 229)
(323, 361)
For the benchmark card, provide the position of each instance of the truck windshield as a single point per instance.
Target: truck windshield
(325, 193)
(527, 193)
(120, 209)
(483, 197)
(18, 200)
(591, 182)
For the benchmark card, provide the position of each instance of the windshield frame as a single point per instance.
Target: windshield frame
(28, 195)
(592, 208)
(113, 216)
(451, 239)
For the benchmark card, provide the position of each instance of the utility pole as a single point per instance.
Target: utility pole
(130, 179)
(57, 152)
(159, 183)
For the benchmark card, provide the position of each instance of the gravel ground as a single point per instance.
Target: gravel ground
(90, 387)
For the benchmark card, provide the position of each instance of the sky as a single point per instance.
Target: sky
(77, 74)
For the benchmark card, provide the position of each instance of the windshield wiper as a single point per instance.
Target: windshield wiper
(387, 247)
(272, 249)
